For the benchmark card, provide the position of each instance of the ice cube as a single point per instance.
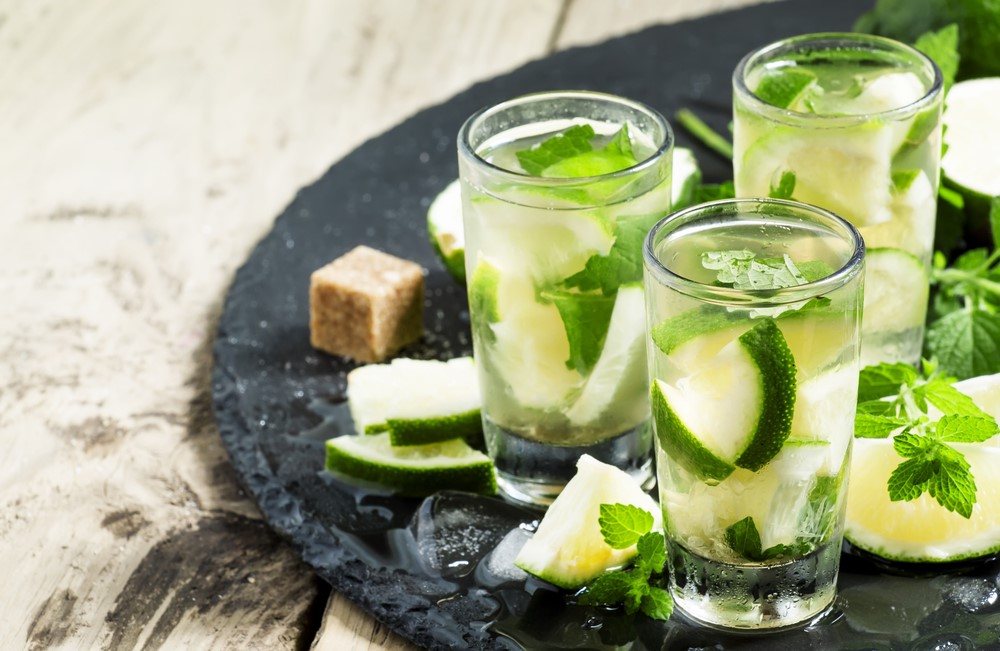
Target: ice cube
(971, 594)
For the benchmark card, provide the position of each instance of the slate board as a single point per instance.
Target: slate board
(427, 569)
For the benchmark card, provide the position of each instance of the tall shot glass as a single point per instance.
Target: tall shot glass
(754, 310)
(851, 123)
(554, 268)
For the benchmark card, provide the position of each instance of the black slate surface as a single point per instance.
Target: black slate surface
(428, 569)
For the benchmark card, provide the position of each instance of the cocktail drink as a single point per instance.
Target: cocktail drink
(754, 309)
(558, 190)
(851, 123)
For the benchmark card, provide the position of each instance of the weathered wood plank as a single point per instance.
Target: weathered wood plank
(146, 147)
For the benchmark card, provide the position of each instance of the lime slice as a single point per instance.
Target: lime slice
(568, 549)
(911, 228)
(784, 87)
(444, 226)
(550, 245)
(921, 530)
(896, 289)
(522, 339)
(973, 136)
(823, 416)
(620, 371)
(413, 469)
(417, 400)
(753, 377)
(685, 177)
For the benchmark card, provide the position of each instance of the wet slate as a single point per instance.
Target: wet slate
(438, 571)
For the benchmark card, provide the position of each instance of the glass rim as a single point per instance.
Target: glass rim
(786, 115)
(747, 297)
(466, 149)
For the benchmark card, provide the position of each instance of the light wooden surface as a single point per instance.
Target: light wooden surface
(146, 147)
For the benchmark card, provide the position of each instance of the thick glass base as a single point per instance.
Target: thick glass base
(535, 473)
(753, 597)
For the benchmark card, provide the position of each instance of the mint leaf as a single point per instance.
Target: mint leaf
(785, 186)
(884, 380)
(704, 133)
(813, 270)
(903, 179)
(633, 598)
(742, 269)
(822, 511)
(911, 445)
(965, 429)
(966, 342)
(783, 86)
(995, 221)
(948, 399)
(872, 426)
(714, 191)
(621, 143)
(585, 318)
(942, 47)
(623, 524)
(744, 539)
(622, 264)
(908, 480)
(567, 144)
(953, 485)
(607, 589)
(657, 604)
(652, 553)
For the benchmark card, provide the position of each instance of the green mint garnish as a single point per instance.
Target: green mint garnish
(897, 398)
(785, 186)
(782, 87)
(903, 179)
(714, 192)
(571, 142)
(744, 539)
(741, 269)
(622, 264)
(704, 133)
(624, 525)
(585, 318)
(942, 47)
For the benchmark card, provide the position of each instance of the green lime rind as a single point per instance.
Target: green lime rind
(682, 328)
(484, 307)
(412, 470)
(770, 352)
(782, 87)
(681, 445)
(376, 428)
(897, 557)
(467, 425)
(454, 263)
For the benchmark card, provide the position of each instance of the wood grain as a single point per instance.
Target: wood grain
(146, 147)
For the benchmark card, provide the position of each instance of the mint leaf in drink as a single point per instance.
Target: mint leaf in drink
(942, 47)
(785, 186)
(966, 342)
(884, 380)
(657, 604)
(621, 144)
(652, 552)
(783, 87)
(875, 426)
(608, 589)
(903, 179)
(585, 318)
(741, 269)
(744, 539)
(566, 144)
(813, 270)
(622, 264)
(623, 524)
(965, 429)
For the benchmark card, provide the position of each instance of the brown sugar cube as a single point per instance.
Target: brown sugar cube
(366, 305)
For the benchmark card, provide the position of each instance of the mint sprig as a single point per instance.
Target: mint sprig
(742, 269)
(566, 144)
(785, 186)
(895, 400)
(622, 526)
(744, 539)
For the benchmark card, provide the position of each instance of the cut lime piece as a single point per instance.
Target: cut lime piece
(416, 400)
(412, 469)
(823, 416)
(913, 206)
(685, 177)
(444, 226)
(896, 289)
(973, 136)
(783, 88)
(524, 339)
(568, 549)
(591, 163)
(621, 369)
(550, 245)
(754, 379)
(921, 530)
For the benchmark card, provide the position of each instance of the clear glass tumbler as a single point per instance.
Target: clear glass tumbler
(754, 310)
(558, 192)
(851, 123)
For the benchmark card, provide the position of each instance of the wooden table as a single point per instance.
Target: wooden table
(144, 148)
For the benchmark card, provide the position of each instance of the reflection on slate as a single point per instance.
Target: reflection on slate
(439, 571)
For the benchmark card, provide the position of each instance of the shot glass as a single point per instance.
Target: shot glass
(558, 192)
(851, 123)
(754, 310)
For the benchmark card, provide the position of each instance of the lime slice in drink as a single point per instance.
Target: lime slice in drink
(550, 245)
(785, 87)
(736, 411)
(524, 339)
(568, 549)
(412, 469)
(685, 177)
(921, 530)
(912, 227)
(417, 400)
(621, 369)
(823, 416)
(444, 226)
(896, 289)
(971, 164)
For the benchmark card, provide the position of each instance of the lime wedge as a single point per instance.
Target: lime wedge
(568, 549)
(444, 226)
(412, 470)
(417, 401)
(783, 88)
(753, 377)
(971, 165)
